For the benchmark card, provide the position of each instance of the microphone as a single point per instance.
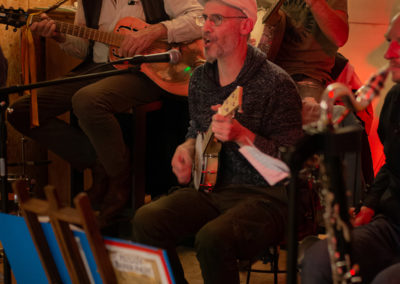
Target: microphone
(172, 56)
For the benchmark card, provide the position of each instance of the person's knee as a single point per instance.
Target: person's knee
(144, 222)
(209, 239)
(315, 267)
(390, 275)
(19, 117)
(85, 104)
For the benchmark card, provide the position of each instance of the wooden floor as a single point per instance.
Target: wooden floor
(193, 274)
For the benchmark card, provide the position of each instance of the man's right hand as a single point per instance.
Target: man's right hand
(182, 162)
(47, 28)
(364, 216)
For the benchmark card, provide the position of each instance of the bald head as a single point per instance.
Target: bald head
(393, 52)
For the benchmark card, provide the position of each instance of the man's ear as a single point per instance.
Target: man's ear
(246, 26)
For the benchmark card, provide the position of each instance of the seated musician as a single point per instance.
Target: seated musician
(241, 214)
(375, 240)
(99, 143)
(313, 32)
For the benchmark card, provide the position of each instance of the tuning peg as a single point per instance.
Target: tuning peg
(6, 27)
(14, 30)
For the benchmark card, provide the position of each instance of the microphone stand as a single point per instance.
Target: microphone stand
(4, 92)
(20, 88)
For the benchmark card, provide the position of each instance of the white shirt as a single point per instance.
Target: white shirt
(181, 28)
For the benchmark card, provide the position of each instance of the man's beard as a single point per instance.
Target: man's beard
(212, 58)
(209, 59)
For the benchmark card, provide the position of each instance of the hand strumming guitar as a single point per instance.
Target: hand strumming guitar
(226, 128)
(47, 28)
(137, 42)
(182, 161)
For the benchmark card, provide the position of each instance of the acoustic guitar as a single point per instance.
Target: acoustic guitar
(205, 167)
(172, 78)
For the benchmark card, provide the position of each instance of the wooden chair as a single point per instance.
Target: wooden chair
(61, 218)
(271, 256)
(31, 209)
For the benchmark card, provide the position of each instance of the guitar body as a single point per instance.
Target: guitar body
(173, 78)
(205, 167)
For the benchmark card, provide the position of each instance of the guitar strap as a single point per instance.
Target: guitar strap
(92, 9)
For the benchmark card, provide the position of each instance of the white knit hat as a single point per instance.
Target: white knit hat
(248, 7)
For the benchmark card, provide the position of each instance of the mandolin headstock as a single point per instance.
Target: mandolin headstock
(13, 17)
(233, 102)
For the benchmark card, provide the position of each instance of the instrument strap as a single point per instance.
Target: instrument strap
(28, 60)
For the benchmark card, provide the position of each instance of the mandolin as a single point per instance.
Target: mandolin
(205, 167)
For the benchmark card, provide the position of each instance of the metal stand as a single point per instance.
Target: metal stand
(332, 144)
(4, 92)
(3, 178)
(21, 88)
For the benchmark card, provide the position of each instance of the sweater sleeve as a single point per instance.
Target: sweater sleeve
(282, 118)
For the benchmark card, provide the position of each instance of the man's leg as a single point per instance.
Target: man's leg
(58, 136)
(95, 106)
(390, 275)
(242, 232)
(165, 222)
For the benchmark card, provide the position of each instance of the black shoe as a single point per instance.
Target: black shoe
(99, 188)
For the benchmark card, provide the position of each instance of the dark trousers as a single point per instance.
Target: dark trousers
(374, 247)
(94, 102)
(237, 222)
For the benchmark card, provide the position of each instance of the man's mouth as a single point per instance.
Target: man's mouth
(207, 42)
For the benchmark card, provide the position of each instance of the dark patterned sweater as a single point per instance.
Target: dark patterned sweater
(271, 110)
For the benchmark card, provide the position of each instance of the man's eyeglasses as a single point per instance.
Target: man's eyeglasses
(216, 19)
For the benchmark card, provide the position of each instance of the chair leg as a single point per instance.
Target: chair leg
(272, 256)
(139, 151)
(248, 273)
(275, 264)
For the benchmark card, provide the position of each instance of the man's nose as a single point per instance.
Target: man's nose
(393, 50)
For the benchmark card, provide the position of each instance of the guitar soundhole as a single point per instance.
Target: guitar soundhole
(123, 30)
(114, 52)
(126, 28)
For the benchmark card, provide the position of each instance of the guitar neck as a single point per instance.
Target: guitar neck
(108, 38)
(233, 102)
